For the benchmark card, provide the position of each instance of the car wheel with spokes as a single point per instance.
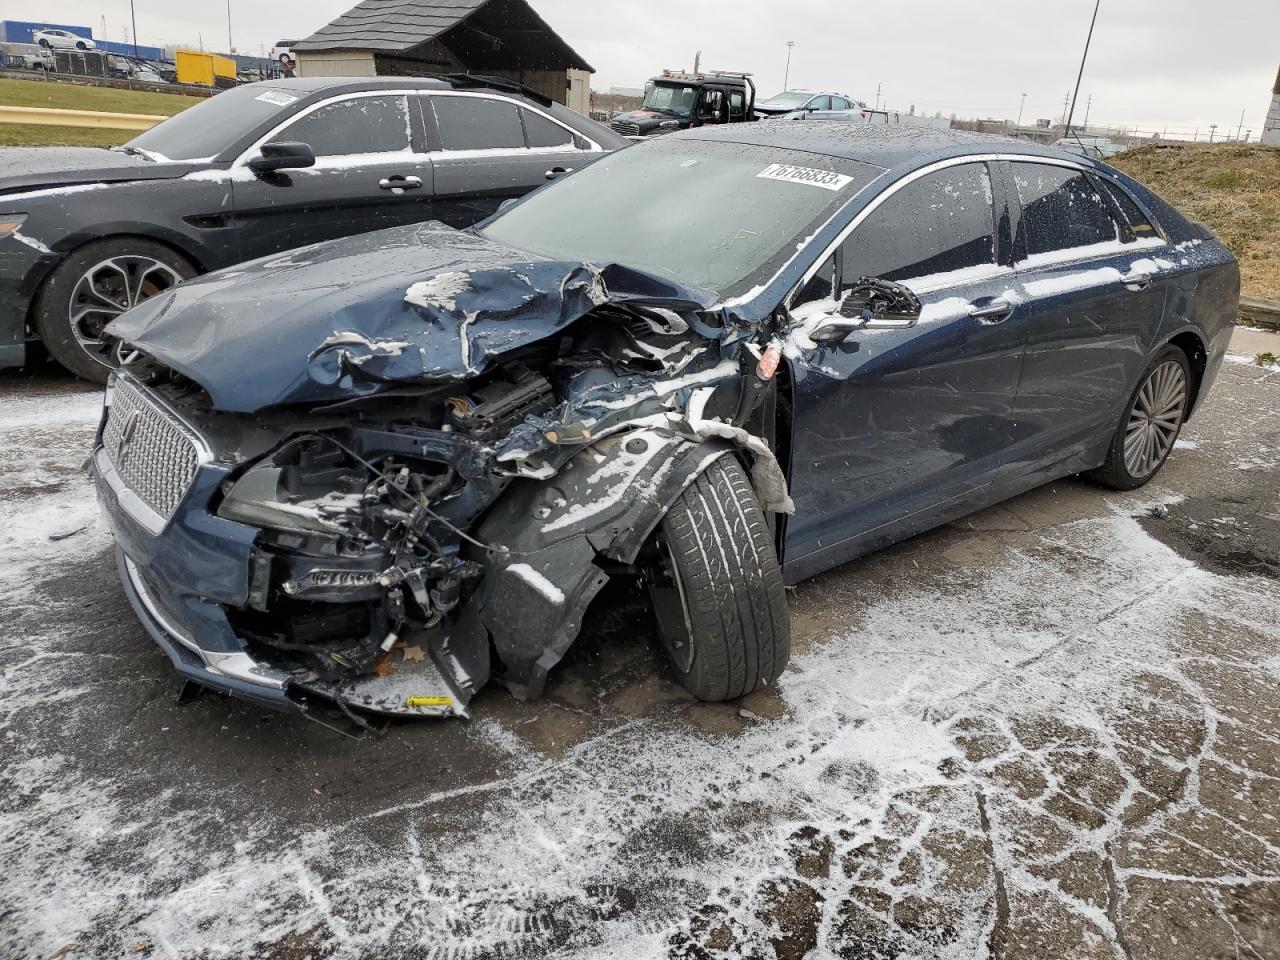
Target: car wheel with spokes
(94, 285)
(1151, 423)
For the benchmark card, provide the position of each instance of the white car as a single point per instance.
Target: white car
(63, 39)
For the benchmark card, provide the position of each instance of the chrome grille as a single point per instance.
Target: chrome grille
(625, 129)
(153, 453)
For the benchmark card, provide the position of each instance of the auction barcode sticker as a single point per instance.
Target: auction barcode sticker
(276, 97)
(806, 175)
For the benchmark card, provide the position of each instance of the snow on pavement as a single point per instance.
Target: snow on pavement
(1020, 732)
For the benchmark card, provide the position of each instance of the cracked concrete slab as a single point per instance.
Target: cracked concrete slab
(1046, 731)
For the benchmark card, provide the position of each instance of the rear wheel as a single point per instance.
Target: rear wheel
(717, 589)
(94, 285)
(1150, 425)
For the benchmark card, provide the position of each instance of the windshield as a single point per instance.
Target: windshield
(209, 128)
(676, 99)
(719, 216)
(787, 101)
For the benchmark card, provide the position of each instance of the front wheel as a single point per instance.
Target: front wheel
(717, 588)
(1150, 425)
(91, 287)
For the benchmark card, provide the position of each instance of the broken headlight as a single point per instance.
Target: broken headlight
(307, 487)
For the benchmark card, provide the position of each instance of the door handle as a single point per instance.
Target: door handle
(557, 171)
(400, 183)
(995, 313)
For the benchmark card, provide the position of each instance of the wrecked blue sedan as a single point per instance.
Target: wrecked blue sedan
(380, 472)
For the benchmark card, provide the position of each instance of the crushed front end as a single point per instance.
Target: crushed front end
(394, 543)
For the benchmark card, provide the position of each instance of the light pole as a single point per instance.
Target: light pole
(133, 17)
(231, 47)
(786, 77)
(1080, 76)
(1021, 107)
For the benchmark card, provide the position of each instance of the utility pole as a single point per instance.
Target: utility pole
(1213, 128)
(786, 77)
(134, 18)
(1022, 107)
(879, 87)
(1080, 76)
(231, 47)
(1241, 124)
(1247, 135)
(1066, 101)
(1088, 108)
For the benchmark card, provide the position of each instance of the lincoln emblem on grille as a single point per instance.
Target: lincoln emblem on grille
(126, 436)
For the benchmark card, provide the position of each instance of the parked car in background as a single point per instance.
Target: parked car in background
(678, 100)
(705, 367)
(809, 101)
(86, 233)
(27, 56)
(63, 40)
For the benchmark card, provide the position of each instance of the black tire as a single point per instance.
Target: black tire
(80, 45)
(1118, 474)
(717, 589)
(53, 305)
(44, 43)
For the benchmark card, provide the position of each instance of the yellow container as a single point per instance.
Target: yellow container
(202, 68)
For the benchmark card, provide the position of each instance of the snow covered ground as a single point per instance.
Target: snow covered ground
(1050, 730)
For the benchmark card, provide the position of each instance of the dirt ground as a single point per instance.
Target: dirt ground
(1051, 730)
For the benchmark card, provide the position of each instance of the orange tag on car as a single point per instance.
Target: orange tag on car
(768, 364)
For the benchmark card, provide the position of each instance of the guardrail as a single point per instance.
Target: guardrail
(52, 117)
(1262, 313)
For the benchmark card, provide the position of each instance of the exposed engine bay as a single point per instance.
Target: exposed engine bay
(420, 535)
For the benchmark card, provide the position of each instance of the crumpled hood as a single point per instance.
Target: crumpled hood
(349, 318)
(37, 168)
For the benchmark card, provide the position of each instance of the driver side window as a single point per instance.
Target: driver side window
(940, 224)
(347, 127)
(711, 105)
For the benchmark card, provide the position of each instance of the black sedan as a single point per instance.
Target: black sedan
(810, 341)
(86, 233)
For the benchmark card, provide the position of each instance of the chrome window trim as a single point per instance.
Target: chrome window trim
(254, 148)
(514, 151)
(892, 189)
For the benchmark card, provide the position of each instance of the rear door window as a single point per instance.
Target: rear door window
(477, 123)
(1061, 210)
(347, 127)
(938, 225)
(539, 131)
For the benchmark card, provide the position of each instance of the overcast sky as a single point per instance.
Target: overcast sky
(1176, 63)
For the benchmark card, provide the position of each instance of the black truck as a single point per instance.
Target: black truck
(677, 101)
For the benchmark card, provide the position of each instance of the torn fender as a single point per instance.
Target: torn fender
(550, 535)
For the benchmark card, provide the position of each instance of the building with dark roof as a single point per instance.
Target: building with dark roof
(503, 38)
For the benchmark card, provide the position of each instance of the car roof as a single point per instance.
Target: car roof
(882, 145)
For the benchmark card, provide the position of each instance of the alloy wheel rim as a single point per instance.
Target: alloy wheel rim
(108, 289)
(1155, 419)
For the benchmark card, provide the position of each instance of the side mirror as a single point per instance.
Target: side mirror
(871, 304)
(282, 156)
